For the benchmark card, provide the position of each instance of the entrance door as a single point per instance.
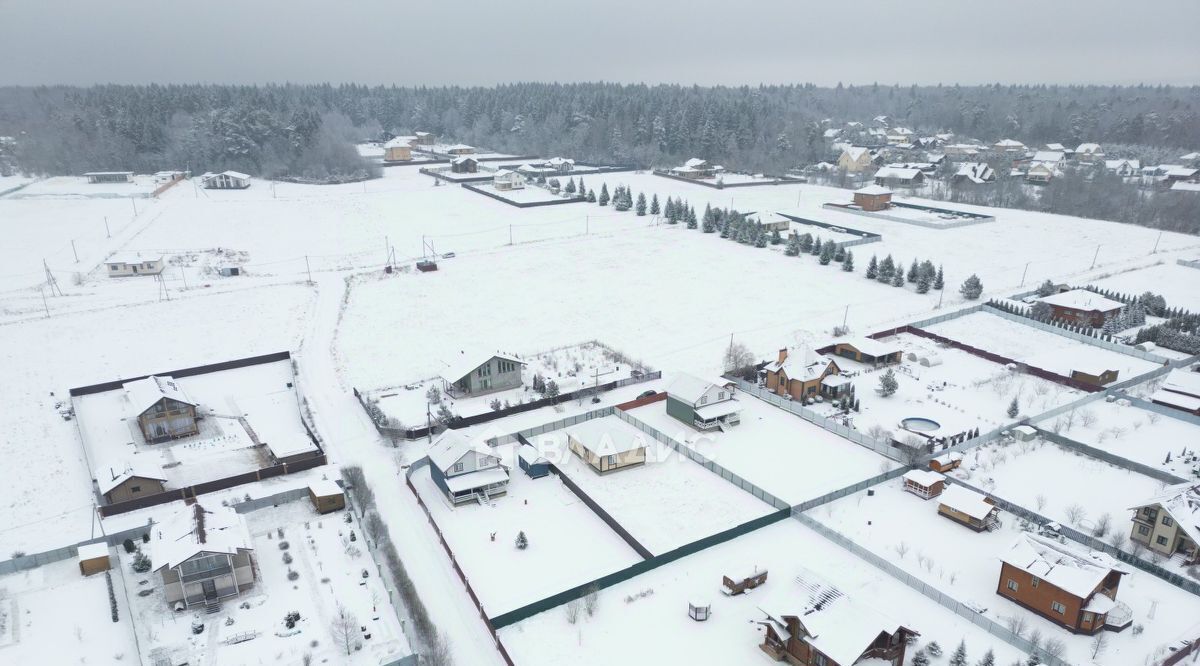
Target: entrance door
(210, 589)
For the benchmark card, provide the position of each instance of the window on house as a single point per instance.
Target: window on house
(1035, 581)
(1058, 608)
(1144, 530)
(135, 489)
(458, 467)
(819, 659)
(1167, 521)
(612, 460)
(1087, 617)
(1161, 540)
(703, 399)
(720, 395)
(1012, 585)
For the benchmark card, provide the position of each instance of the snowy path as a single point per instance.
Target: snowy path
(351, 439)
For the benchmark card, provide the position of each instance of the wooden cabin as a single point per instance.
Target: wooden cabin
(94, 558)
(326, 496)
(732, 586)
(946, 462)
(873, 198)
(924, 483)
(968, 507)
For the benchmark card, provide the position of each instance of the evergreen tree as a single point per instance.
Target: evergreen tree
(641, 204)
(972, 288)
(603, 199)
(760, 237)
(522, 541)
(934, 649)
(793, 246)
(920, 659)
(848, 263)
(654, 209)
(888, 384)
(827, 252)
(570, 186)
(989, 659)
(959, 658)
(940, 280)
(924, 280)
(840, 255)
(887, 270)
(622, 201)
(691, 218)
(898, 279)
(806, 243)
(815, 250)
(708, 214)
(872, 269)
(912, 272)
(776, 239)
(591, 196)
(1045, 289)
(1014, 408)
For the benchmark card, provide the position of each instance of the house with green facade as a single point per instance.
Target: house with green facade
(476, 373)
(703, 404)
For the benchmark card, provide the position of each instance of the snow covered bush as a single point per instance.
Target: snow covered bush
(522, 541)
(888, 384)
(141, 563)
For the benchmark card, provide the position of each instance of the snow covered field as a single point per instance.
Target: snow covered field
(908, 531)
(1033, 475)
(654, 628)
(330, 570)
(559, 527)
(527, 194)
(1177, 284)
(66, 187)
(777, 451)
(42, 358)
(1038, 348)
(666, 503)
(36, 627)
(1136, 434)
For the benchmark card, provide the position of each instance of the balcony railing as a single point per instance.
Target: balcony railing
(206, 574)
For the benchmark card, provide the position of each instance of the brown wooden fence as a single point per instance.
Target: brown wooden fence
(212, 486)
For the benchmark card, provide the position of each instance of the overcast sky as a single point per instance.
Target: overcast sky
(465, 42)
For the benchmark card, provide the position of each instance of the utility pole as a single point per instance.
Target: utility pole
(387, 251)
(510, 234)
(729, 352)
(1024, 272)
(183, 273)
(1094, 257)
(134, 203)
(941, 294)
(596, 375)
(73, 251)
(845, 315)
(107, 233)
(308, 268)
(44, 303)
(1156, 240)
(51, 281)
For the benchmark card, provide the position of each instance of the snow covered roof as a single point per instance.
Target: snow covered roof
(113, 473)
(608, 435)
(873, 190)
(856, 153)
(133, 258)
(1182, 501)
(976, 172)
(1184, 402)
(1113, 165)
(477, 479)
(93, 551)
(800, 363)
(275, 420)
(1182, 186)
(923, 477)
(1050, 156)
(1009, 143)
(1182, 381)
(1181, 172)
(559, 161)
(463, 160)
(325, 488)
(109, 173)
(1056, 146)
(467, 361)
(871, 346)
(843, 629)
(898, 173)
(232, 174)
(689, 387)
(451, 446)
(1074, 570)
(1087, 148)
(966, 501)
(177, 539)
(947, 458)
(145, 393)
(531, 455)
(1082, 299)
(696, 162)
(400, 142)
(834, 381)
(1189, 157)
(460, 146)
(719, 409)
(831, 133)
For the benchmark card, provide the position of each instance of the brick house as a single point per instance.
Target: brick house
(834, 631)
(1065, 584)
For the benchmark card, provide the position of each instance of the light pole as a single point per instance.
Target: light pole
(1095, 256)
(1024, 272)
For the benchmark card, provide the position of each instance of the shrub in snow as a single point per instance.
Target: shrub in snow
(141, 563)
(496, 405)
(592, 600)
(920, 659)
(934, 649)
(291, 619)
(293, 574)
(572, 611)
(283, 545)
(522, 541)
(112, 596)
(129, 546)
(287, 558)
(1014, 408)
(972, 288)
(888, 384)
(146, 535)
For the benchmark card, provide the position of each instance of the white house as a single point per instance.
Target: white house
(226, 180)
(1088, 152)
(561, 164)
(124, 264)
(466, 471)
(1123, 168)
(975, 172)
(508, 180)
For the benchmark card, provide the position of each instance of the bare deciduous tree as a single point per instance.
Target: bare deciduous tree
(1076, 513)
(592, 600)
(345, 629)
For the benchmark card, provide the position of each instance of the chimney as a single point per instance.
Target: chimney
(782, 355)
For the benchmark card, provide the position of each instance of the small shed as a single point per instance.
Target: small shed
(873, 198)
(226, 180)
(699, 611)
(743, 584)
(326, 496)
(924, 483)
(1024, 433)
(533, 462)
(464, 165)
(93, 558)
(95, 177)
(946, 462)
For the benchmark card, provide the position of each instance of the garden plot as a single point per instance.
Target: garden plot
(1032, 475)
(822, 233)
(1177, 284)
(328, 576)
(1136, 434)
(570, 368)
(907, 531)
(524, 195)
(1038, 348)
(775, 450)
(645, 620)
(43, 357)
(961, 393)
(236, 417)
(666, 503)
(76, 187)
(568, 544)
(53, 615)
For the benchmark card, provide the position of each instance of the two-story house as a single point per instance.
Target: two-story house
(834, 630)
(800, 373)
(203, 555)
(162, 408)
(477, 373)
(1169, 523)
(466, 471)
(703, 404)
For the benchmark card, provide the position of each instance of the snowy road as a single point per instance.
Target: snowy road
(351, 439)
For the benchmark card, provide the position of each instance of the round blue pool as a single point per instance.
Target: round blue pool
(919, 424)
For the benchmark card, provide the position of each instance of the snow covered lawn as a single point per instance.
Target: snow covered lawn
(330, 570)
(69, 187)
(775, 450)
(1136, 434)
(668, 502)
(645, 620)
(1059, 483)
(1177, 284)
(568, 544)
(527, 194)
(54, 615)
(1038, 348)
(908, 531)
